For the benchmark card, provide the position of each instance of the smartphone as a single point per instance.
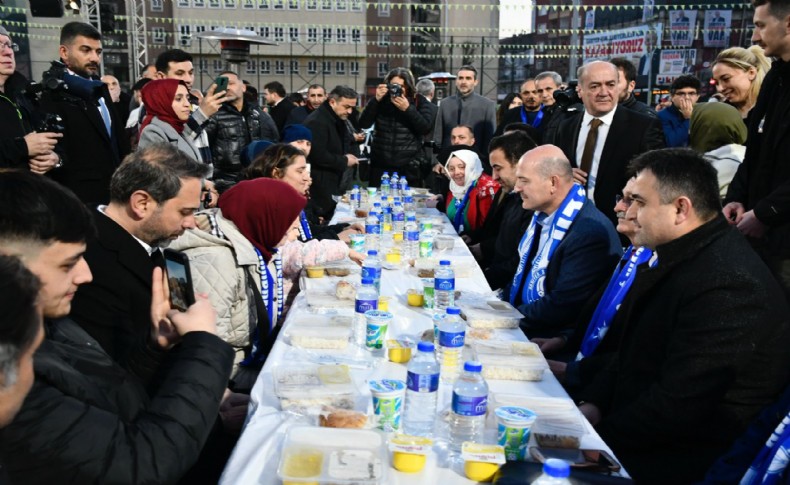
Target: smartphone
(222, 84)
(594, 460)
(179, 278)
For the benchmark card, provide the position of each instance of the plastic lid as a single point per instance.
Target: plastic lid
(411, 218)
(453, 310)
(373, 252)
(473, 366)
(554, 467)
(376, 204)
(356, 186)
(368, 281)
(398, 204)
(394, 173)
(444, 262)
(425, 347)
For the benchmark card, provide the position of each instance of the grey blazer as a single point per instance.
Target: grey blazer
(158, 132)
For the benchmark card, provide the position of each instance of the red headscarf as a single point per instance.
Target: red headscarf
(263, 209)
(158, 96)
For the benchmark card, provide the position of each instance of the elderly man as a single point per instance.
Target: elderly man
(568, 250)
(705, 343)
(601, 140)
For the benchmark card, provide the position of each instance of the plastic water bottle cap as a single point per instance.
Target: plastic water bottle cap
(376, 204)
(356, 186)
(411, 218)
(367, 281)
(397, 204)
(453, 310)
(554, 467)
(473, 366)
(373, 252)
(425, 347)
(444, 262)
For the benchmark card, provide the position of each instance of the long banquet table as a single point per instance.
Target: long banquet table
(256, 456)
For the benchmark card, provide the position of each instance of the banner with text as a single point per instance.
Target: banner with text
(630, 43)
(717, 28)
(675, 62)
(681, 27)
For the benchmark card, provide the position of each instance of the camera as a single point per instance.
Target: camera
(395, 90)
(567, 97)
(51, 123)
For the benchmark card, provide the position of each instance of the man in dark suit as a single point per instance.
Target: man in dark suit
(94, 143)
(153, 197)
(567, 252)
(600, 155)
(279, 106)
(704, 346)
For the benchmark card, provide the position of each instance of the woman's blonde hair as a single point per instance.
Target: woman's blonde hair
(745, 59)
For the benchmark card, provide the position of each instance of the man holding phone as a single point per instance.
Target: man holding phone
(153, 198)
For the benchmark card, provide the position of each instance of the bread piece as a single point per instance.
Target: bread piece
(338, 270)
(343, 418)
(345, 290)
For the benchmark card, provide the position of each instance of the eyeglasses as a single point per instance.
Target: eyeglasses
(626, 201)
(14, 47)
(686, 94)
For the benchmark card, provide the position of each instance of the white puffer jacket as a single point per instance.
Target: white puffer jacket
(220, 267)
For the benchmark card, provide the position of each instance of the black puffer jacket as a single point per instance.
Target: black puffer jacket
(14, 123)
(229, 132)
(87, 420)
(399, 134)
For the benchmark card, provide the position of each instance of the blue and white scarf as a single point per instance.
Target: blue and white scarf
(613, 297)
(563, 218)
(771, 463)
(268, 290)
(304, 228)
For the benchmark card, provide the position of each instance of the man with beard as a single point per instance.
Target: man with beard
(94, 142)
(530, 112)
(316, 95)
(153, 198)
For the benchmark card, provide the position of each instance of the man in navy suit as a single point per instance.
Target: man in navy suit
(567, 252)
(599, 162)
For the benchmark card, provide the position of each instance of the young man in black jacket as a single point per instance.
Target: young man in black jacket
(86, 419)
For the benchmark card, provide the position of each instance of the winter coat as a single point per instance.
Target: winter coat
(726, 161)
(327, 158)
(158, 131)
(676, 127)
(229, 132)
(14, 123)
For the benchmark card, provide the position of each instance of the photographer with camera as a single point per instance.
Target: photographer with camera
(402, 118)
(20, 145)
(94, 143)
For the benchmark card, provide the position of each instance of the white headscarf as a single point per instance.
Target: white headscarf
(472, 171)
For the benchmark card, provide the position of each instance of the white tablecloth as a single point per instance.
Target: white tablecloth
(256, 456)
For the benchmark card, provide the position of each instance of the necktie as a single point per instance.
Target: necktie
(105, 115)
(589, 147)
(157, 258)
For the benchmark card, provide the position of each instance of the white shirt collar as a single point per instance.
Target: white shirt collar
(606, 119)
(148, 248)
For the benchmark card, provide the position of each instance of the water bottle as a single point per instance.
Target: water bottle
(355, 198)
(451, 343)
(372, 231)
(404, 187)
(384, 188)
(386, 219)
(395, 183)
(422, 389)
(468, 409)
(371, 268)
(411, 239)
(398, 217)
(444, 286)
(426, 244)
(367, 298)
(555, 472)
(408, 202)
(379, 212)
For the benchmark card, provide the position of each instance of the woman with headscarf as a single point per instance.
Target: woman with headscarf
(472, 191)
(235, 260)
(717, 131)
(167, 110)
(739, 75)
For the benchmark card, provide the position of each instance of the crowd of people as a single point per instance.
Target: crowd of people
(647, 249)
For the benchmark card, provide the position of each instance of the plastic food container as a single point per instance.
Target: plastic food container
(512, 367)
(399, 351)
(388, 396)
(409, 453)
(331, 455)
(319, 337)
(559, 423)
(315, 271)
(513, 426)
(384, 303)
(507, 347)
(415, 298)
(443, 243)
(490, 314)
(304, 388)
(481, 462)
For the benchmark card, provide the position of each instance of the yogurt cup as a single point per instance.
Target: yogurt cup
(388, 397)
(377, 322)
(358, 242)
(513, 427)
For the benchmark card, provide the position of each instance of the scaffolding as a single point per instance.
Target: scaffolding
(138, 57)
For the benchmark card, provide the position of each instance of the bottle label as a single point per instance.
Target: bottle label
(411, 236)
(361, 306)
(451, 339)
(372, 229)
(371, 272)
(426, 249)
(398, 217)
(469, 405)
(445, 284)
(422, 382)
